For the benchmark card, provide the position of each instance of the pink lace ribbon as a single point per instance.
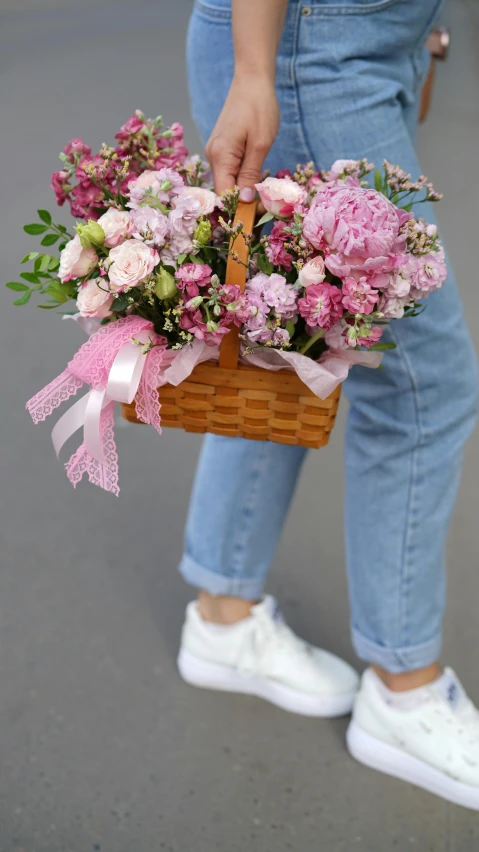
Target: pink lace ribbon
(118, 367)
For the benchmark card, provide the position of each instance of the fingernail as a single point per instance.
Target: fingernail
(247, 194)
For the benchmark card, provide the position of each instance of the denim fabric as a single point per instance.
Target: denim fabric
(348, 77)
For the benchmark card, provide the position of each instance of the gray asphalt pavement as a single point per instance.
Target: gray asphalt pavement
(102, 747)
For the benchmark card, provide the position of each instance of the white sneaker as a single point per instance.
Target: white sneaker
(427, 736)
(262, 656)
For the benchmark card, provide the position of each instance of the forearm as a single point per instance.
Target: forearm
(257, 28)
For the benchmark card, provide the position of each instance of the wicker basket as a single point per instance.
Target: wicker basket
(237, 400)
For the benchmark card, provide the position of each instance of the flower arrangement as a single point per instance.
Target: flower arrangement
(341, 259)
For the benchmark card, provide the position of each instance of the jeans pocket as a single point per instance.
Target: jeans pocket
(347, 7)
(218, 12)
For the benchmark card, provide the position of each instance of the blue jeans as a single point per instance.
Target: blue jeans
(348, 78)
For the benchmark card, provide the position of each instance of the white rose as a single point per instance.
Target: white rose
(313, 272)
(207, 199)
(76, 261)
(132, 262)
(93, 300)
(116, 225)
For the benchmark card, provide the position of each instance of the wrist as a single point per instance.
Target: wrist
(255, 73)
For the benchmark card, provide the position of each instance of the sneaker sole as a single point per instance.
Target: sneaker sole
(207, 675)
(379, 755)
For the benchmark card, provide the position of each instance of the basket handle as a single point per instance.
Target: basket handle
(236, 274)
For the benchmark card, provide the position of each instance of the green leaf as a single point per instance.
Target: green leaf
(264, 264)
(62, 229)
(49, 239)
(266, 218)
(23, 299)
(290, 328)
(48, 307)
(30, 256)
(378, 182)
(30, 277)
(382, 347)
(180, 259)
(35, 229)
(45, 216)
(17, 286)
(54, 264)
(119, 304)
(56, 292)
(45, 262)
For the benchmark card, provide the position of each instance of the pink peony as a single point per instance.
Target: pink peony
(313, 272)
(275, 247)
(281, 195)
(61, 187)
(93, 301)
(132, 262)
(151, 226)
(357, 228)
(207, 199)
(358, 296)
(117, 226)
(76, 261)
(321, 305)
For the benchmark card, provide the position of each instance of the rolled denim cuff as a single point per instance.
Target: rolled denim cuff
(397, 660)
(249, 588)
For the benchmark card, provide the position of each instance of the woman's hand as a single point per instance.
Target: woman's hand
(244, 133)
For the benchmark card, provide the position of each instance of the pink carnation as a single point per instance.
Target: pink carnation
(321, 305)
(358, 229)
(358, 296)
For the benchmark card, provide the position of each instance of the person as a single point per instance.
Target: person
(278, 83)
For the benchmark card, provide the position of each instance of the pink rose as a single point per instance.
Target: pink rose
(93, 301)
(207, 199)
(313, 272)
(76, 261)
(321, 305)
(132, 262)
(117, 225)
(358, 229)
(358, 296)
(281, 195)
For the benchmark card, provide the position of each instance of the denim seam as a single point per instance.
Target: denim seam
(299, 113)
(327, 11)
(412, 513)
(246, 513)
(205, 10)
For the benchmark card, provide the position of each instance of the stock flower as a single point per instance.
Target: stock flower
(366, 336)
(61, 187)
(132, 126)
(321, 305)
(336, 337)
(132, 262)
(207, 199)
(280, 195)
(358, 296)
(275, 247)
(153, 187)
(183, 219)
(93, 301)
(117, 225)
(76, 261)
(392, 306)
(191, 276)
(359, 229)
(76, 147)
(313, 272)
(150, 225)
(427, 272)
(255, 325)
(341, 167)
(280, 295)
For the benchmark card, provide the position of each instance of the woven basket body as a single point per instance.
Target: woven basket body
(239, 401)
